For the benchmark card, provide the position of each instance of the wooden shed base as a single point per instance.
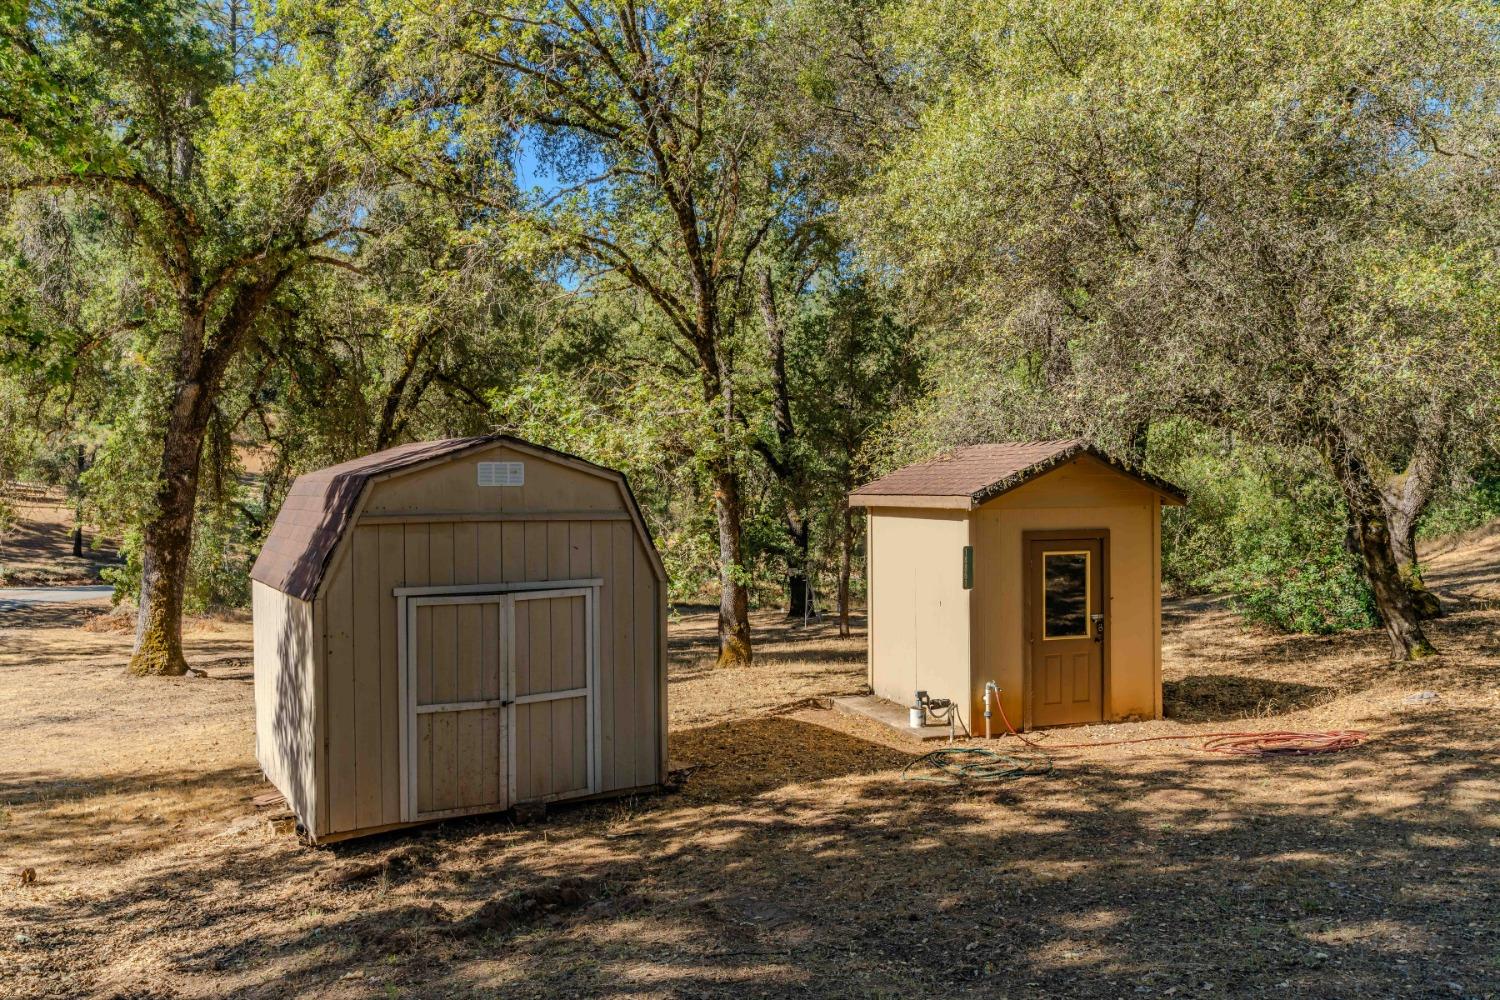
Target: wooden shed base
(888, 713)
(530, 807)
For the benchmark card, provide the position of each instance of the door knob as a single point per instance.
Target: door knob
(1098, 621)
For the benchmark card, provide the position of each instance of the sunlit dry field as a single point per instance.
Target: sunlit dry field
(794, 861)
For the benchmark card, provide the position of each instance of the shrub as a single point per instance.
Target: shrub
(1472, 505)
(1265, 526)
(1320, 595)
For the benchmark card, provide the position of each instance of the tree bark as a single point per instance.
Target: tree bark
(1405, 499)
(846, 562)
(168, 538)
(783, 462)
(1372, 539)
(734, 596)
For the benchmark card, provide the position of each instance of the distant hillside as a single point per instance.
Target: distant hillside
(37, 550)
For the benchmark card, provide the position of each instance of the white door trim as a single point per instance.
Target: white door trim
(593, 711)
(504, 596)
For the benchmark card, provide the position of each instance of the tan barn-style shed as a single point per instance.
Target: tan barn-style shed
(1035, 565)
(456, 627)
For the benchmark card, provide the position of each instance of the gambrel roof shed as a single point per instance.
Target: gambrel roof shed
(318, 508)
(454, 627)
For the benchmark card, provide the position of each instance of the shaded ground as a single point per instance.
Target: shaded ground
(794, 862)
(38, 549)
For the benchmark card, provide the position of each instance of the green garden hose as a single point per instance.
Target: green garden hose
(952, 765)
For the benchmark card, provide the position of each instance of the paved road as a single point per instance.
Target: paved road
(15, 598)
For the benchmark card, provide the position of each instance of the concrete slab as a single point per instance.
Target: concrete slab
(890, 714)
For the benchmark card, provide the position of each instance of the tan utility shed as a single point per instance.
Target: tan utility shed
(455, 627)
(1036, 565)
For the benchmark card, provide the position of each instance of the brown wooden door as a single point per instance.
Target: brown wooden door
(1065, 585)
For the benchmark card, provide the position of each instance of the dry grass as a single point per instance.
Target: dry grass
(794, 862)
(38, 551)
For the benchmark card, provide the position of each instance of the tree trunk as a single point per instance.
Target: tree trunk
(783, 462)
(1403, 526)
(1405, 499)
(168, 538)
(78, 506)
(1372, 539)
(846, 560)
(798, 596)
(734, 596)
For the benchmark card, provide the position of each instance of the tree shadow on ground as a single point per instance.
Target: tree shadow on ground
(49, 616)
(1221, 697)
(796, 863)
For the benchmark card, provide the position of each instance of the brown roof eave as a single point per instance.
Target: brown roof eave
(1170, 494)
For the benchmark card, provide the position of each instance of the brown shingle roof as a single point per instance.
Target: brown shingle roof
(981, 472)
(319, 505)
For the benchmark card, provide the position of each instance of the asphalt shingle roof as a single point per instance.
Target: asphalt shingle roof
(320, 505)
(982, 472)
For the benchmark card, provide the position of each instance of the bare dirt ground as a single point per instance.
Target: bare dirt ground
(795, 862)
(38, 550)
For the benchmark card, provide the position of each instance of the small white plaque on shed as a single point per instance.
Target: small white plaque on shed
(502, 473)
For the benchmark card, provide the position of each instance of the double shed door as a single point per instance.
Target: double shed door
(500, 700)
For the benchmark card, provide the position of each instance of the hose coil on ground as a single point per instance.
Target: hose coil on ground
(950, 765)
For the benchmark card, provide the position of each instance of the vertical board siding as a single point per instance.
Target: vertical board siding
(443, 568)
(643, 594)
(353, 769)
(536, 551)
(465, 553)
(601, 564)
(552, 743)
(392, 574)
(342, 735)
(513, 558)
(557, 550)
(459, 758)
(364, 571)
(488, 564)
(286, 664)
(623, 706)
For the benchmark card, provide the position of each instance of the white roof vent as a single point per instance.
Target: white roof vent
(502, 473)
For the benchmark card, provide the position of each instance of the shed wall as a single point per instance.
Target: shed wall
(435, 526)
(1082, 494)
(285, 719)
(919, 610)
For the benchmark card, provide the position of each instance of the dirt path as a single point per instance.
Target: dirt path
(794, 862)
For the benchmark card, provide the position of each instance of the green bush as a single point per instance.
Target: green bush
(1464, 509)
(1320, 595)
(218, 566)
(1266, 527)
